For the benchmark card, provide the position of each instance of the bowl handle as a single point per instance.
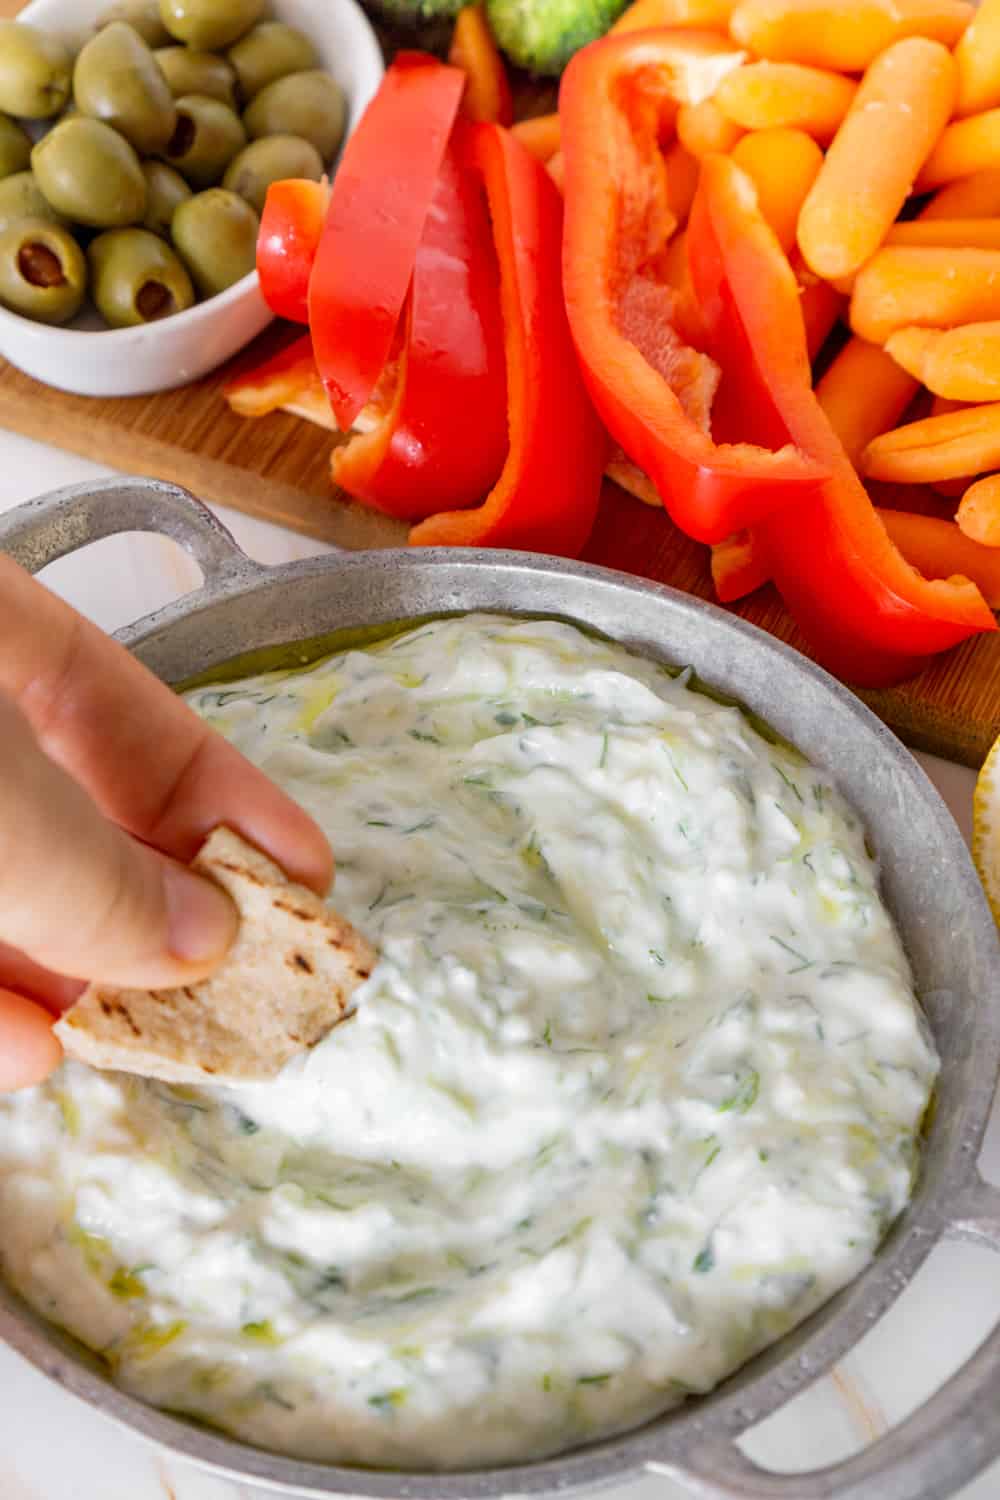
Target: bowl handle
(931, 1454)
(53, 525)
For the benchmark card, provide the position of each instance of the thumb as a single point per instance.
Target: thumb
(81, 897)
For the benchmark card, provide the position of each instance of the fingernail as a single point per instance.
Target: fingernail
(201, 919)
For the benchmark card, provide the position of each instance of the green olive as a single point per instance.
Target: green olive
(165, 189)
(117, 80)
(215, 234)
(307, 104)
(269, 51)
(20, 198)
(90, 173)
(35, 69)
(190, 72)
(15, 148)
(209, 24)
(142, 15)
(269, 160)
(136, 278)
(207, 136)
(43, 274)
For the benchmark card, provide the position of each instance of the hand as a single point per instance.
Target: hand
(108, 786)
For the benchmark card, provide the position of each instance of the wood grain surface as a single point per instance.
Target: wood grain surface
(277, 468)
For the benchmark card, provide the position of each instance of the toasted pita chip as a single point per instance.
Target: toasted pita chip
(286, 981)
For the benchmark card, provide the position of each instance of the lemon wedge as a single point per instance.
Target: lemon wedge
(986, 828)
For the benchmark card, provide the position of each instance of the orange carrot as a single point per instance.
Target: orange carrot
(703, 128)
(978, 514)
(487, 92)
(978, 59)
(682, 180)
(975, 197)
(542, 135)
(970, 234)
(897, 115)
(556, 169)
(766, 94)
(821, 306)
(863, 393)
(966, 146)
(962, 364)
(932, 287)
(843, 35)
(782, 164)
(957, 445)
(641, 15)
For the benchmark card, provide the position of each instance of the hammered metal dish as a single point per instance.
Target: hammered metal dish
(928, 882)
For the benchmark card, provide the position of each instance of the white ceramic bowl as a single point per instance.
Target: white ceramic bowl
(90, 360)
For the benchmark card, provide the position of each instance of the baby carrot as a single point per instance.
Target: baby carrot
(962, 364)
(901, 107)
(978, 234)
(821, 306)
(957, 445)
(643, 14)
(682, 180)
(864, 393)
(703, 128)
(940, 550)
(542, 135)
(965, 146)
(978, 514)
(782, 164)
(766, 94)
(975, 197)
(978, 59)
(844, 35)
(926, 287)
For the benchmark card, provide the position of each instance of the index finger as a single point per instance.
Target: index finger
(149, 763)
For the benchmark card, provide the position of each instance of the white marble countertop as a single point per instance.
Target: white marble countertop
(54, 1448)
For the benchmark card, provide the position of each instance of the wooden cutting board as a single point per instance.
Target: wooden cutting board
(277, 468)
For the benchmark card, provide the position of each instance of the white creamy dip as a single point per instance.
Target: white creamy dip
(636, 1084)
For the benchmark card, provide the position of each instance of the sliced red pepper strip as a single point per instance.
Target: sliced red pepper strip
(290, 229)
(546, 497)
(933, 544)
(443, 439)
(738, 567)
(867, 613)
(381, 196)
(288, 381)
(653, 391)
(487, 96)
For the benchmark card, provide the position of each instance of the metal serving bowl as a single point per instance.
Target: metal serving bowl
(928, 882)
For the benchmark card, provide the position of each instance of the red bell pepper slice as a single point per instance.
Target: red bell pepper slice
(443, 439)
(288, 381)
(654, 392)
(381, 197)
(738, 567)
(487, 95)
(290, 229)
(868, 615)
(546, 497)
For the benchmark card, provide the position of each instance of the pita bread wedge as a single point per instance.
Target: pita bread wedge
(286, 981)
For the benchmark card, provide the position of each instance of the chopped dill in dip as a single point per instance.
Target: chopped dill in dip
(635, 1086)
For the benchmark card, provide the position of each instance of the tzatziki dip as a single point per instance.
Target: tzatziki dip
(636, 1084)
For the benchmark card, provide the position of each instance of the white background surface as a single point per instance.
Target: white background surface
(53, 1448)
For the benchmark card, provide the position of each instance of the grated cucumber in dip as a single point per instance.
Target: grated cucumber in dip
(636, 1084)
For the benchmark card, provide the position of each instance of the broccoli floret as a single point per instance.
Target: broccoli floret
(542, 35)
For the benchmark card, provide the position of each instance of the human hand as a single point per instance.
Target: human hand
(109, 784)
